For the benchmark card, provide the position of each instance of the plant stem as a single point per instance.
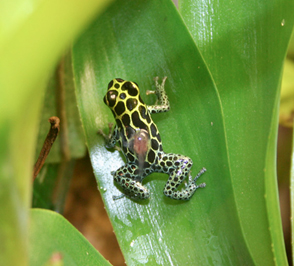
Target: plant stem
(51, 137)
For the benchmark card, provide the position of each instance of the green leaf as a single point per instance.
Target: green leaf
(33, 35)
(292, 193)
(244, 45)
(50, 108)
(51, 233)
(287, 95)
(291, 47)
(138, 41)
(51, 187)
(56, 178)
(44, 187)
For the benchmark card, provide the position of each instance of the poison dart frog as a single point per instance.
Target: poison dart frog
(140, 141)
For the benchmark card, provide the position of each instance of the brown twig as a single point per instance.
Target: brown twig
(51, 137)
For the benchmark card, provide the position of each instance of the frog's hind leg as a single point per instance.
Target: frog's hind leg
(127, 178)
(178, 167)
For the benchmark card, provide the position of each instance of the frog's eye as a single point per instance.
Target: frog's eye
(111, 98)
(132, 90)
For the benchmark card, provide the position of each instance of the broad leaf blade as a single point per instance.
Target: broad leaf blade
(44, 187)
(76, 140)
(287, 95)
(244, 45)
(51, 233)
(138, 41)
(33, 34)
(292, 194)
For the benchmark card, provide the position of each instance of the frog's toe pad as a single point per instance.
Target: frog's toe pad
(118, 197)
(100, 132)
(203, 185)
(201, 172)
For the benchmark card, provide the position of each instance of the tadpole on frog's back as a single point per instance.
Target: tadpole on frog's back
(140, 144)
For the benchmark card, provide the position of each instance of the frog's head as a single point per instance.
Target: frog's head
(122, 96)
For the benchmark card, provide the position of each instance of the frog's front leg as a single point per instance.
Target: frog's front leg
(111, 137)
(126, 177)
(178, 167)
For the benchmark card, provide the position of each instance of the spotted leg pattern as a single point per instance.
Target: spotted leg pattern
(178, 167)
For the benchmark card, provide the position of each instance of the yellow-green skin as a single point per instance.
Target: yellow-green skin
(140, 142)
